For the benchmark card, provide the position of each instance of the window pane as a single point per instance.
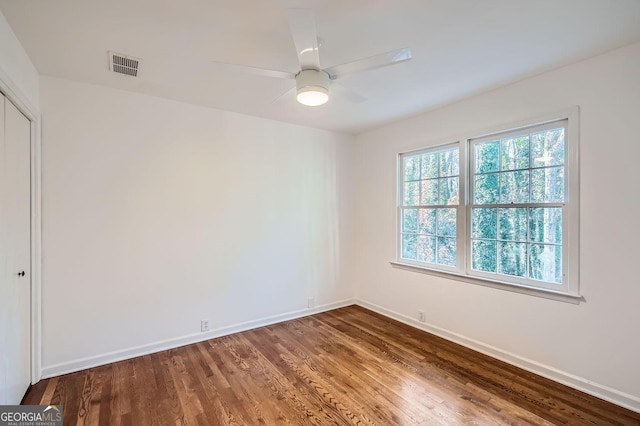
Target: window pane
(545, 225)
(483, 255)
(411, 194)
(547, 148)
(487, 156)
(427, 222)
(483, 223)
(446, 222)
(447, 251)
(429, 192)
(547, 185)
(545, 263)
(448, 194)
(409, 242)
(409, 220)
(486, 189)
(514, 187)
(430, 165)
(411, 167)
(449, 163)
(512, 224)
(427, 249)
(515, 153)
(512, 258)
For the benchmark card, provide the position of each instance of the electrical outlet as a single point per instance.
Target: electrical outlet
(205, 325)
(311, 302)
(421, 316)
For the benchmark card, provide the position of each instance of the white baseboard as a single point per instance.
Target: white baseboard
(608, 394)
(120, 355)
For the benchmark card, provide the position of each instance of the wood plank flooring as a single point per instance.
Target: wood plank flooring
(349, 366)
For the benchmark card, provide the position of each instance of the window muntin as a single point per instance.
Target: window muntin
(513, 221)
(428, 208)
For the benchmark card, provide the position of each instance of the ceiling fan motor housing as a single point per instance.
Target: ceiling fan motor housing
(313, 78)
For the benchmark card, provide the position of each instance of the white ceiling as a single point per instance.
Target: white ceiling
(460, 48)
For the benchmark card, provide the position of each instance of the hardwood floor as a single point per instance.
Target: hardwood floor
(347, 366)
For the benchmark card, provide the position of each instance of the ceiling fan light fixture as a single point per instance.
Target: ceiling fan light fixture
(312, 95)
(312, 87)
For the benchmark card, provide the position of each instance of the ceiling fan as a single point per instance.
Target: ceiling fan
(312, 82)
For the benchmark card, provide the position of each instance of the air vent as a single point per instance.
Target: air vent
(123, 64)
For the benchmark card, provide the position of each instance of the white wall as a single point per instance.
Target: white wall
(158, 214)
(596, 341)
(17, 73)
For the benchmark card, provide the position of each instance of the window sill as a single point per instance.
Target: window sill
(538, 292)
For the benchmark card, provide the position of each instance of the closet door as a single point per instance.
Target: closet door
(15, 297)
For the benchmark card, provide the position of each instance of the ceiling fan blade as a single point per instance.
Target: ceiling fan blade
(290, 93)
(303, 31)
(340, 91)
(264, 72)
(372, 62)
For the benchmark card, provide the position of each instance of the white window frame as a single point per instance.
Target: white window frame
(568, 291)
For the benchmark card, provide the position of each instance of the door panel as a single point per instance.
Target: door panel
(16, 246)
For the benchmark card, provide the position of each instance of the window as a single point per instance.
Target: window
(498, 209)
(429, 207)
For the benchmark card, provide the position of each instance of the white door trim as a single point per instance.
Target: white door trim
(32, 112)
